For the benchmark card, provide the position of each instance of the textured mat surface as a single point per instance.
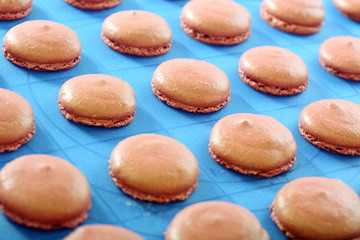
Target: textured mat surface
(89, 148)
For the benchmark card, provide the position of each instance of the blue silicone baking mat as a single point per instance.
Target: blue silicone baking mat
(89, 148)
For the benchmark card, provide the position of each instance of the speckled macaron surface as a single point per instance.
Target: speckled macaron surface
(252, 144)
(154, 167)
(273, 70)
(317, 208)
(17, 123)
(340, 56)
(215, 220)
(350, 8)
(191, 85)
(218, 22)
(332, 125)
(44, 191)
(42, 45)
(15, 9)
(103, 232)
(94, 4)
(97, 100)
(136, 32)
(294, 16)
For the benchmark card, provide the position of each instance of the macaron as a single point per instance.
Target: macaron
(138, 33)
(17, 121)
(340, 56)
(216, 22)
(350, 8)
(154, 167)
(215, 220)
(97, 100)
(93, 4)
(301, 17)
(15, 9)
(191, 85)
(317, 208)
(273, 70)
(252, 144)
(42, 45)
(103, 232)
(44, 191)
(332, 125)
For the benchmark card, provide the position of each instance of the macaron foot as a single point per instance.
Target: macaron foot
(15, 16)
(16, 145)
(92, 5)
(274, 90)
(328, 147)
(287, 27)
(252, 172)
(189, 108)
(142, 52)
(214, 39)
(347, 76)
(40, 66)
(150, 197)
(107, 123)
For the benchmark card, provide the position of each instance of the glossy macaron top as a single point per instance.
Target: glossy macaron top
(342, 53)
(154, 167)
(253, 143)
(192, 82)
(350, 8)
(137, 28)
(274, 66)
(14, 6)
(317, 208)
(103, 232)
(299, 12)
(16, 118)
(333, 121)
(220, 18)
(42, 42)
(97, 96)
(44, 191)
(215, 220)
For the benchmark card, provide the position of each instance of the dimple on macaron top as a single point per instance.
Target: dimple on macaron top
(42, 42)
(216, 18)
(333, 121)
(299, 12)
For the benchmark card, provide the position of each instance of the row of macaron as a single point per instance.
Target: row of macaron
(305, 208)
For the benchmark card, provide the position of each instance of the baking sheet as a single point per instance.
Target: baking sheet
(89, 148)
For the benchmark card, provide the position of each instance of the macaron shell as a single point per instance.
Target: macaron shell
(137, 28)
(333, 121)
(44, 191)
(97, 97)
(15, 9)
(93, 4)
(222, 18)
(154, 167)
(215, 220)
(102, 232)
(300, 12)
(191, 82)
(350, 8)
(317, 208)
(274, 66)
(252, 144)
(17, 124)
(42, 42)
(342, 54)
